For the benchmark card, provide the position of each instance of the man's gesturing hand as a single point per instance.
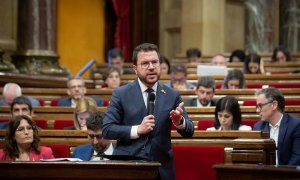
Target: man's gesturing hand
(176, 115)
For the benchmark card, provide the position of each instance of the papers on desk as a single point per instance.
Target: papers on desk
(61, 159)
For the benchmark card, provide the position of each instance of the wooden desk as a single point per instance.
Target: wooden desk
(240, 147)
(248, 171)
(78, 170)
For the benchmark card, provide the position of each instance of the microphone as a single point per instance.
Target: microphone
(150, 105)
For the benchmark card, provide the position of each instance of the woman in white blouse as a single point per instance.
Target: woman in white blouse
(228, 116)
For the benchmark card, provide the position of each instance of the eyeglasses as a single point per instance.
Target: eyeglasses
(22, 130)
(92, 136)
(260, 106)
(146, 64)
(179, 80)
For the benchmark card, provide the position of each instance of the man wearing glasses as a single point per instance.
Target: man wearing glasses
(283, 128)
(76, 90)
(178, 78)
(98, 146)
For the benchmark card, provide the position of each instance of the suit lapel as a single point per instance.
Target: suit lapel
(282, 129)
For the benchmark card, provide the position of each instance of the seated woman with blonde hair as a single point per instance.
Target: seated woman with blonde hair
(22, 142)
(84, 108)
(228, 116)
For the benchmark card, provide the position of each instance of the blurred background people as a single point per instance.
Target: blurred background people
(193, 55)
(84, 108)
(228, 116)
(11, 91)
(164, 65)
(205, 92)
(237, 56)
(22, 142)
(281, 55)
(111, 77)
(76, 90)
(252, 64)
(98, 145)
(116, 59)
(178, 78)
(234, 80)
(218, 60)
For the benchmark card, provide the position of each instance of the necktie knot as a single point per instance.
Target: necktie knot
(149, 90)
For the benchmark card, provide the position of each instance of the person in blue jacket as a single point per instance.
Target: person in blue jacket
(98, 145)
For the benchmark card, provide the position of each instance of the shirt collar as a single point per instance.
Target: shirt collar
(277, 124)
(144, 88)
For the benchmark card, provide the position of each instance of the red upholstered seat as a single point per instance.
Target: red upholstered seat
(250, 122)
(54, 102)
(254, 86)
(41, 123)
(61, 124)
(42, 102)
(4, 120)
(292, 85)
(60, 150)
(195, 162)
(249, 103)
(204, 124)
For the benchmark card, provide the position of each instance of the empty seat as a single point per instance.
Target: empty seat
(54, 102)
(195, 162)
(204, 124)
(61, 124)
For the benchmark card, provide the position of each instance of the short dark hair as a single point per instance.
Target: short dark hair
(284, 51)
(178, 68)
(114, 53)
(21, 100)
(273, 94)
(207, 82)
(10, 146)
(193, 52)
(229, 104)
(95, 121)
(237, 53)
(145, 47)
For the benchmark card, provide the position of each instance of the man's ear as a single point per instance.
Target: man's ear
(32, 113)
(68, 92)
(275, 105)
(134, 67)
(84, 90)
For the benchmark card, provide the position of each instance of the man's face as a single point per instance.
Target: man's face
(95, 138)
(148, 67)
(178, 80)
(264, 107)
(117, 62)
(219, 61)
(205, 95)
(194, 60)
(76, 89)
(20, 109)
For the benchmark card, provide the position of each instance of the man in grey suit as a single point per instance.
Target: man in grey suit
(137, 132)
(205, 92)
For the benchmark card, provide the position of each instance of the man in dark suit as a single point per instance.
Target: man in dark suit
(205, 92)
(116, 59)
(137, 132)
(283, 128)
(76, 90)
(98, 145)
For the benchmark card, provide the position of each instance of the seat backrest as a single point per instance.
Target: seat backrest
(249, 103)
(250, 122)
(42, 102)
(60, 150)
(204, 124)
(195, 162)
(41, 123)
(61, 124)
(54, 102)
